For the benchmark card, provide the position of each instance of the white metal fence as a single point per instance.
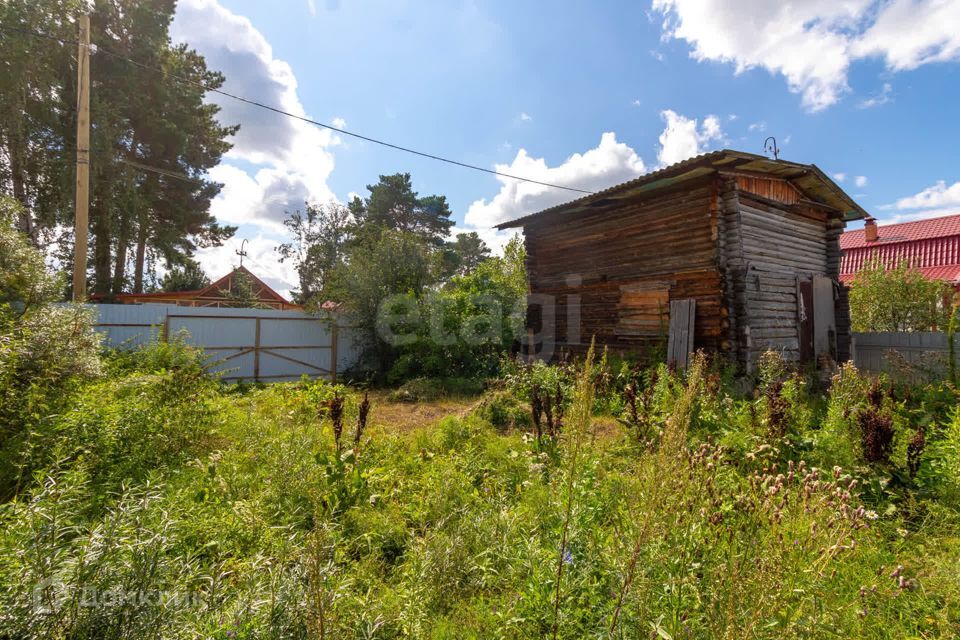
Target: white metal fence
(916, 353)
(242, 344)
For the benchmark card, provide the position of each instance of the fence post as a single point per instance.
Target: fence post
(256, 352)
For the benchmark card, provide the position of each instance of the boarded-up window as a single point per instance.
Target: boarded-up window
(644, 309)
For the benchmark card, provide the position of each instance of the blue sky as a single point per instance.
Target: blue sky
(581, 94)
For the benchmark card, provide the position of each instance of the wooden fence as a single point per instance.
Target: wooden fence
(242, 344)
(911, 354)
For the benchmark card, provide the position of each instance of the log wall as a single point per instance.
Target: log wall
(769, 247)
(611, 272)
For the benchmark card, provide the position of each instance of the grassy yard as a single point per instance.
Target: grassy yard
(159, 503)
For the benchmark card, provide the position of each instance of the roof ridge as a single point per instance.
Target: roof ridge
(919, 221)
(725, 159)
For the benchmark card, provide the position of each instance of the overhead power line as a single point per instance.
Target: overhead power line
(295, 116)
(170, 173)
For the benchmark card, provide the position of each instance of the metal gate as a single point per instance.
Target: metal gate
(242, 344)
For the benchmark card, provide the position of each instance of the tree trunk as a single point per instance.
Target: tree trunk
(141, 253)
(16, 149)
(120, 266)
(101, 247)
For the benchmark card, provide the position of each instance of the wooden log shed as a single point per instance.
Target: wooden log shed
(753, 242)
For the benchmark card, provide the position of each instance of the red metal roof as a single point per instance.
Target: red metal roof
(904, 232)
(214, 291)
(948, 273)
(929, 246)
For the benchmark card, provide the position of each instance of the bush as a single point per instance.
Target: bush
(504, 411)
(46, 351)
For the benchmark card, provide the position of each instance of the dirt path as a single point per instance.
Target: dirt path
(403, 417)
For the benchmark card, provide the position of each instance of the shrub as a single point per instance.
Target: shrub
(124, 426)
(897, 299)
(46, 351)
(504, 411)
(24, 281)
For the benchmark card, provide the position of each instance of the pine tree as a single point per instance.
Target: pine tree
(138, 118)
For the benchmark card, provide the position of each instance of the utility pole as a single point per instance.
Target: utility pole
(83, 163)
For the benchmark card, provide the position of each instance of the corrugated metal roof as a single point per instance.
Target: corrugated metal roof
(949, 273)
(905, 232)
(806, 177)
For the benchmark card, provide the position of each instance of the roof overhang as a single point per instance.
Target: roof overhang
(808, 178)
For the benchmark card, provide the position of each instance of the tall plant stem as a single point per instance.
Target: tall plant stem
(582, 410)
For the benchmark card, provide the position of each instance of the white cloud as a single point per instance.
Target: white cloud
(636, 102)
(293, 157)
(525, 117)
(609, 163)
(937, 196)
(757, 126)
(312, 7)
(339, 123)
(839, 176)
(911, 33)
(291, 160)
(812, 43)
(658, 56)
(860, 181)
(683, 138)
(881, 98)
(934, 201)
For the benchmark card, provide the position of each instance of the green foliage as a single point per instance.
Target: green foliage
(506, 412)
(164, 504)
(393, 204)
(46, 351)
(422, 307)
(384, 269)
(137, 117)
(898, 299)
(320, 235)
(952, 326)
(188, 276)
(141, 418)
(24, 280)
(241, 293)
(465, 254)
(463, 328)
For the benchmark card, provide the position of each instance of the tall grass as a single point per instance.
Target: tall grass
(576, 434)
(235, 514)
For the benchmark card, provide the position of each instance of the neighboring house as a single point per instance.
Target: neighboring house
(753, 241)
(930, 246)
(215, 295)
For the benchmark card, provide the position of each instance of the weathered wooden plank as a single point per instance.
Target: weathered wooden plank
(681, 334)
